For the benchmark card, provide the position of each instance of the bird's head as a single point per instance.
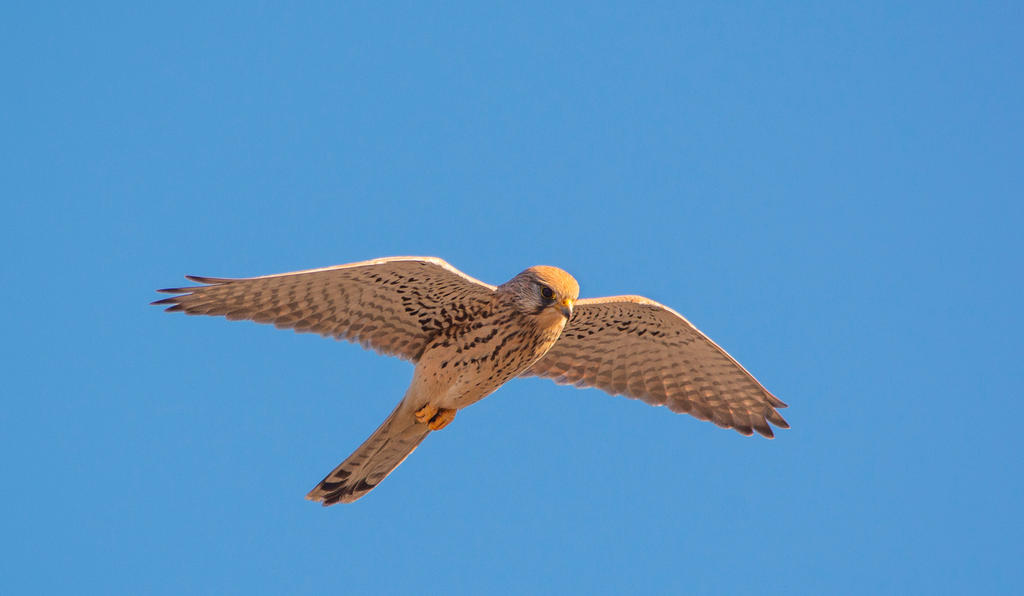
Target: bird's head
(545, 292)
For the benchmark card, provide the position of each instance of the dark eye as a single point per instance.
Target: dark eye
(547, 293)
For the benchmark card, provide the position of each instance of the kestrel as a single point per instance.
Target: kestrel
(468, 338)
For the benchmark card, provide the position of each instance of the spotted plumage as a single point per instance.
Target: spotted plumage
(468, 338)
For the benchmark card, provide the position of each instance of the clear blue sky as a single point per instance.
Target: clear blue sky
(832, 192)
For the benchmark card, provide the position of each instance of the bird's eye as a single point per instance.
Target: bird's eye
(547, 293)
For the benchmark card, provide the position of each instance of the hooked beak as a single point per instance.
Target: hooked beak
(567, 308)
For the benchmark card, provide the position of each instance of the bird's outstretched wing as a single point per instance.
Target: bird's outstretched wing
(633, 346)
(392, 305)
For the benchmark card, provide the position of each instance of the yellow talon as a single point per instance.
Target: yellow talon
(442, 419)
(425, 414)
(435, 418)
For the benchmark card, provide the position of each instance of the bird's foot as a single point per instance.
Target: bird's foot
(435, 418)
(442, 419)
(424, 414)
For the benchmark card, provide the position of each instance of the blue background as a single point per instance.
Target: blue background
(831, 192)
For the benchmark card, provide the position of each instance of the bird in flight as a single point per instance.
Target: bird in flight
(468, 338)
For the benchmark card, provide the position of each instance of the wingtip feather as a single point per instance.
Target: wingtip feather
(199, 279)
(775, 418)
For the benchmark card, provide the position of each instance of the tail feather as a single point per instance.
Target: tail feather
(386, 448)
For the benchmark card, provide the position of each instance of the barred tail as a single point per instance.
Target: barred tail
(386, 448)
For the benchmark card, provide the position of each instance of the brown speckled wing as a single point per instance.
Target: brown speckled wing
(632, 346)
(392, 305)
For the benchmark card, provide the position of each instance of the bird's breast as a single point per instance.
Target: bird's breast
(471, 362)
